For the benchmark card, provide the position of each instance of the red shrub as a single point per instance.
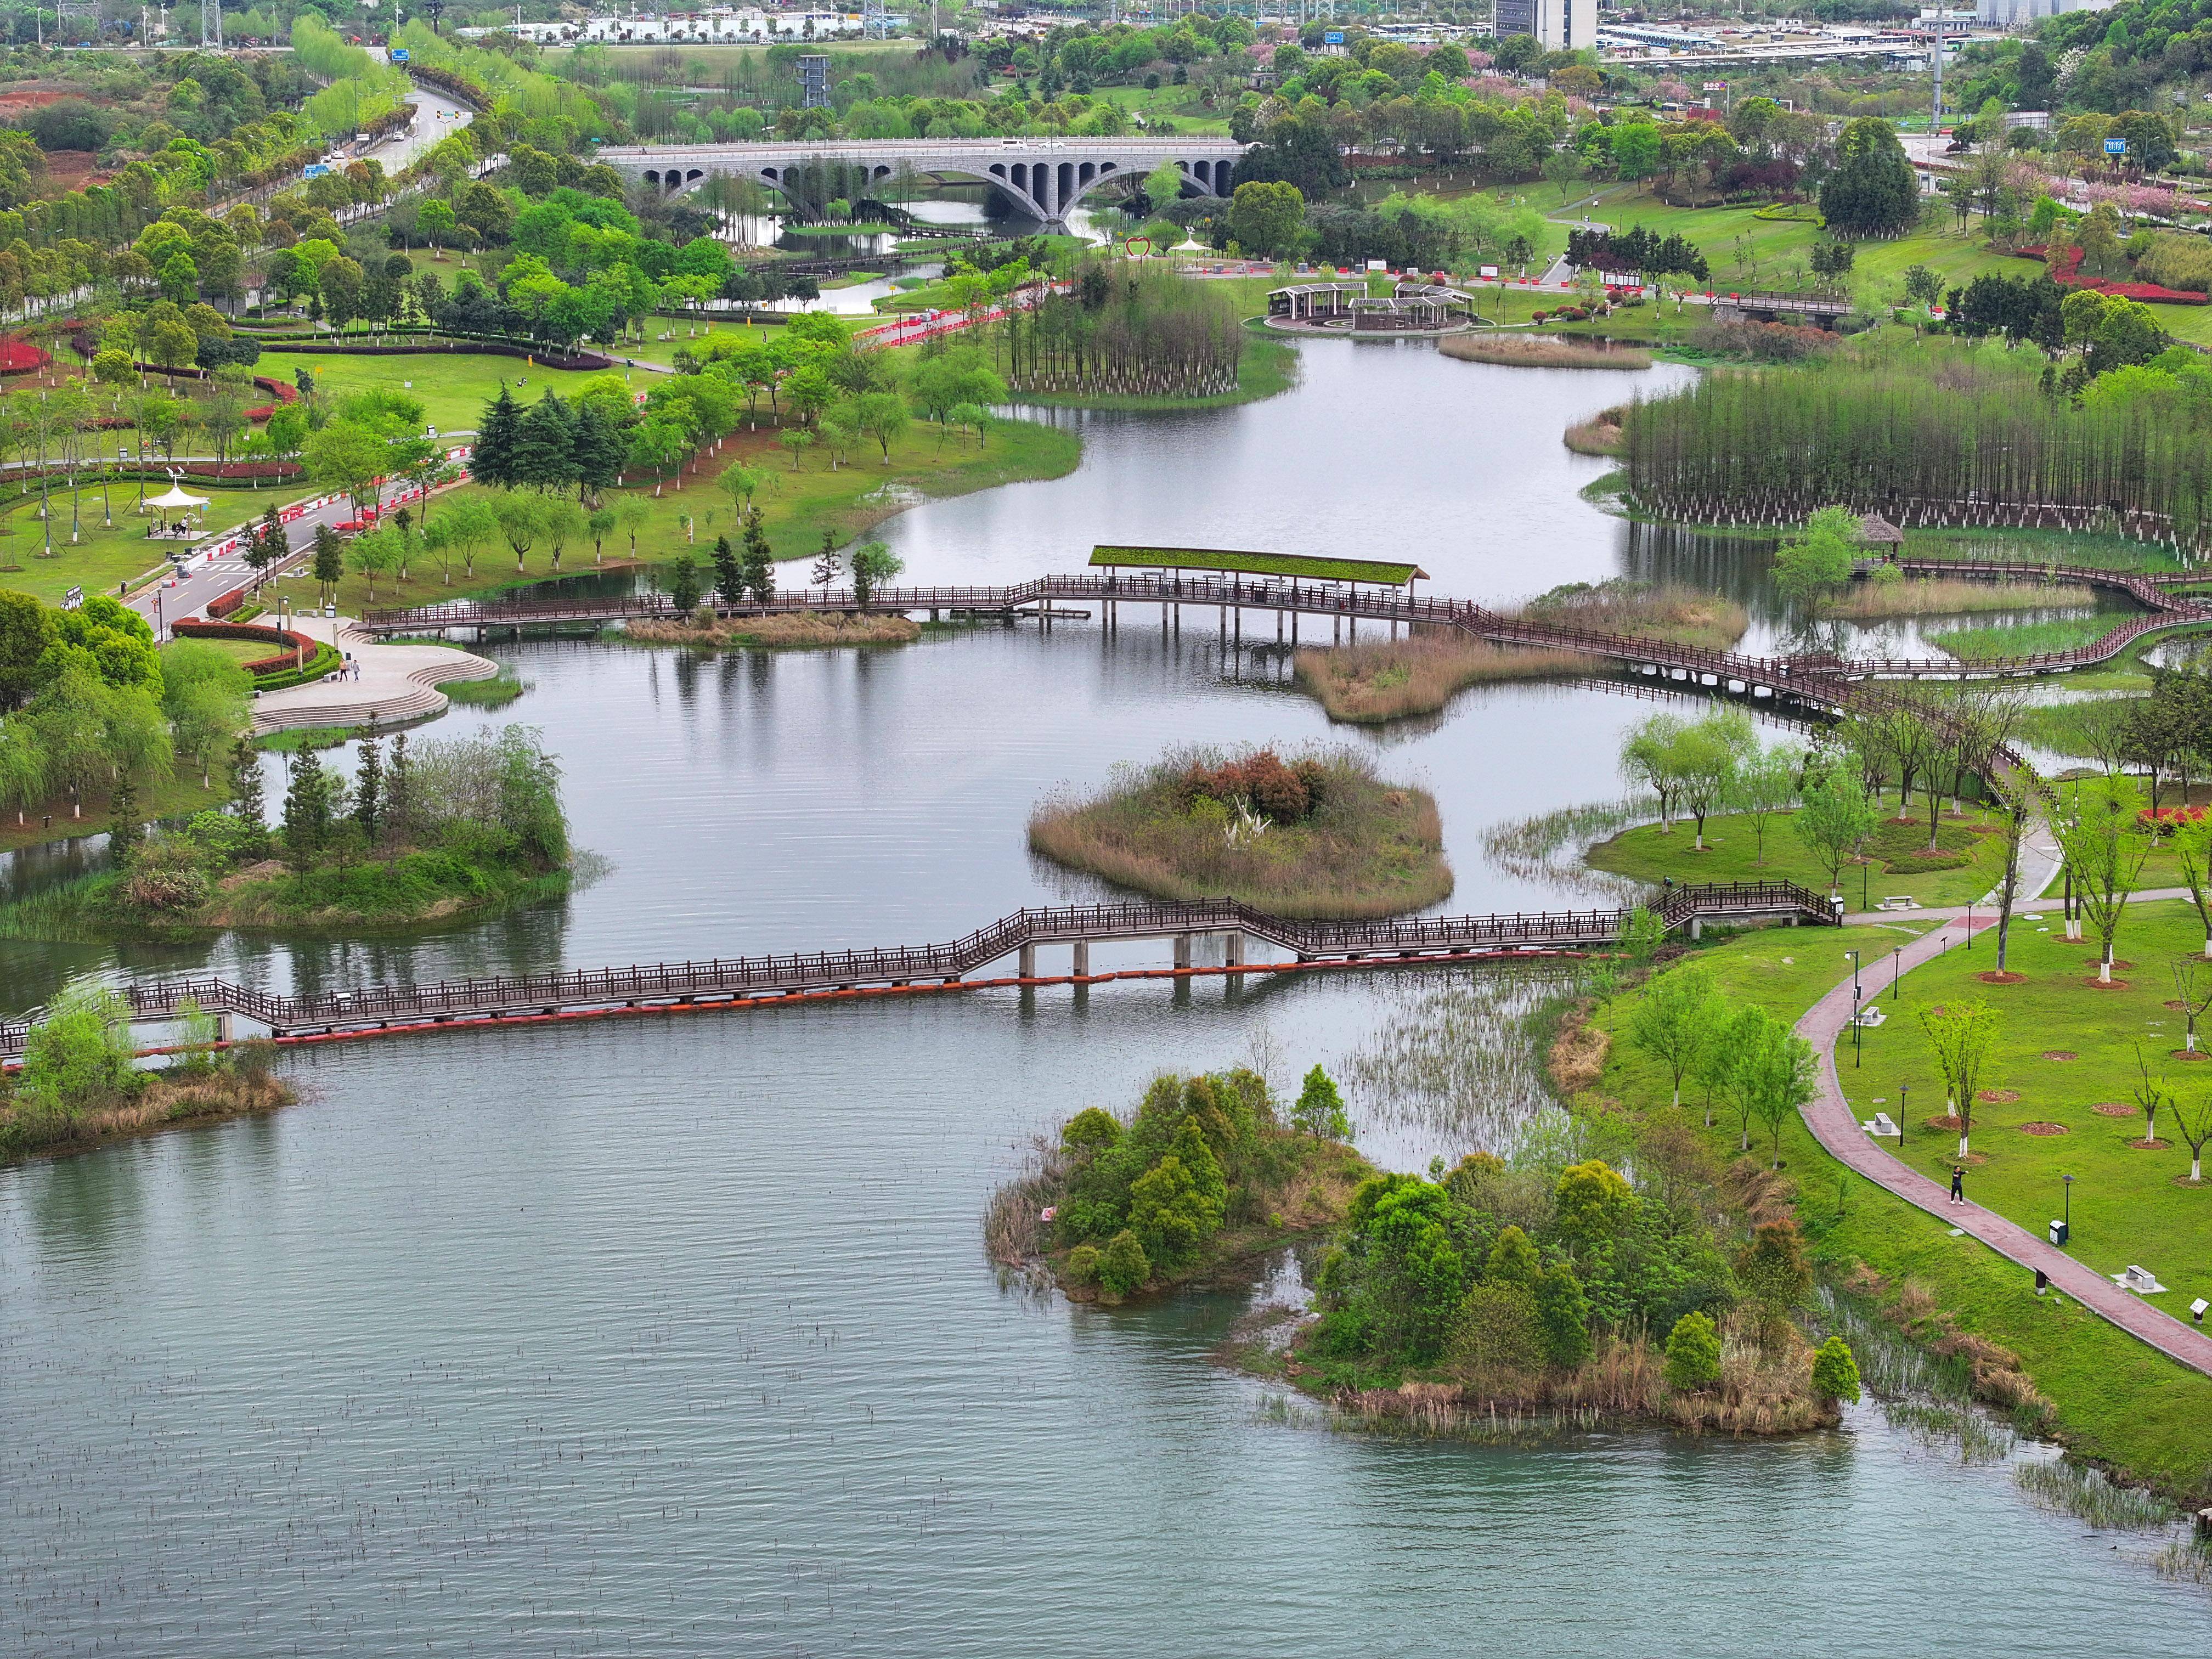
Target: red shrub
(1284, 793)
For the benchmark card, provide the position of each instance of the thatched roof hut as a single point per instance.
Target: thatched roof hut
(1875, 531)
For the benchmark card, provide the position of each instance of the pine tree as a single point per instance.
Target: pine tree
(123, 826)
(368, 790)
(544, 446)
(398, 791)
(492, 458)
(245, 803)
(308, 811)
(825, 561)
(729, 575)
(759, 565)
(330, 561)
(597, 453)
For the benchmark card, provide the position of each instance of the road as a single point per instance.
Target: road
(212, 569)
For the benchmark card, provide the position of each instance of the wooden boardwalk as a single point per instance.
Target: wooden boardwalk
(1400, 941)
(1817, 681)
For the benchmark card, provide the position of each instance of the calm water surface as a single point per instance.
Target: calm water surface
(675, 1336)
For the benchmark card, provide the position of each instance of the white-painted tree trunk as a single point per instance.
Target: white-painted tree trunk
(2105, 970)
(1962, 1144)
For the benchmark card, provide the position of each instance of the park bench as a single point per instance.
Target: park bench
(1898, 902)
(2141, 1280)
(1879, 1125)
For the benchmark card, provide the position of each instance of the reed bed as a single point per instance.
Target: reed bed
(1681, 615)
(1369, 685)
(789, 632)
(1945, 596)
(1367, 848)
(165, 1102)
(1550, 846)
(1541, 351)
(2023, 639)
(2088, 1494)
(1605, 433)
(1465, 1058)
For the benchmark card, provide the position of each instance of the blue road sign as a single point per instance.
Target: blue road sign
(1334, 38)
(2116, 146)
(398, 54)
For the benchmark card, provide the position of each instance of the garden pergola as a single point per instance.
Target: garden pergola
(1280, 576)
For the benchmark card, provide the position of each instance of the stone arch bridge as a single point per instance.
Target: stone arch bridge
(1043, 178)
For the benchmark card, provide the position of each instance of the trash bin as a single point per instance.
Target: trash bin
(2058, 1231)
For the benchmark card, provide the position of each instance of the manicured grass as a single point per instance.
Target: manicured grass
(2116, 1399)
(796, 505)
(454, 387)
(179, 798)
(1731, 855)
(106, 556)
(1779, 246)
(1179, 104)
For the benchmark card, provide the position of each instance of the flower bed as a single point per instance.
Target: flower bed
(20, 356)
(289, 643)
(2165, 820)
(2066, 271)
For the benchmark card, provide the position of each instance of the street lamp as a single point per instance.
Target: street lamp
(1858, 1024)
(1896, 970)
(2068, 1211)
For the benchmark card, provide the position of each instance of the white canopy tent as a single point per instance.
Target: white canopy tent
(174, 500)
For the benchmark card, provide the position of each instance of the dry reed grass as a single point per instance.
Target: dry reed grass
(1541, 351)
(790, 632)
(1369, 848)
(1765, 1389)
(1936, 596)
(1680, 615)
(1368, 684)
(165, 1102)
(1604, 433)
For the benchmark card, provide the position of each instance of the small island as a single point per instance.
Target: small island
(440, 830)
(1500, 1291)
(1204, 1174)
(1318, 836)
(80, 1086)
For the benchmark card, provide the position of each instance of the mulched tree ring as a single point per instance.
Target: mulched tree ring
(2150, 1145)
(2119, 966)
(2106, 984)
(2190, 1053)
(1949, 1120)
(2044, 1129)
(1997, 1096)
(2183, 1181)
(2006, 978)
(2060, 1054)
(2177, 1007)
(2114, 1108)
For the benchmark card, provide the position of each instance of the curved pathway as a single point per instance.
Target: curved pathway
(395, 683)
(1835, 1125)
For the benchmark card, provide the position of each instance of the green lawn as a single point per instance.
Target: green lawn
(453, 387)
(2116, 1399)
(105, 557)
(796, 504)
(1747, 251)
(1178, 104)
(1731, 855)
(2024, 639)
(180, 797)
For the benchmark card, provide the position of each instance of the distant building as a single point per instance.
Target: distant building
(715, 24)
(814, 80)
(1558, 25)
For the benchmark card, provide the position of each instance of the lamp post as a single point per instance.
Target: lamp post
(1858, 1025)
(1896, 970)
(2068, 1213)
(1903, 1091)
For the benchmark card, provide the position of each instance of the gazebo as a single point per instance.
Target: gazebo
(1875, 531)
(173, 507)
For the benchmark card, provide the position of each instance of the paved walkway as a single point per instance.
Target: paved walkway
(398, 683)
(1836, 1125)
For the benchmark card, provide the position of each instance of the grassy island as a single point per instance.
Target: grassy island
(1680, 616)
(80, 1087)
(706, 632)
(448, 829)
(1541, 351)
(1947, 596)
(1567, 1291)
(1321, 836)
(1204, 1173)
(1372, 683)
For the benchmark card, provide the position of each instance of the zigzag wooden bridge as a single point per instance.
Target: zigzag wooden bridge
(748, 980)
(1815, 681)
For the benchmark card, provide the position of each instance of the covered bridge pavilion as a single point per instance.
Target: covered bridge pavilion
(1286, 583)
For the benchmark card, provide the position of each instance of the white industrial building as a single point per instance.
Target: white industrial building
(719, 23)
(2020, 14)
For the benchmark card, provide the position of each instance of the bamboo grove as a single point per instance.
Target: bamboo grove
(1940, 437)
(1125, 333)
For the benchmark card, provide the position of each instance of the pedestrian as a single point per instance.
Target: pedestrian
(1958, 1184)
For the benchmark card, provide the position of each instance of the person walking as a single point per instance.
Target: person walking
(1958, 1184)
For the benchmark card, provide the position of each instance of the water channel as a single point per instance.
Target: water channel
(675, 1336)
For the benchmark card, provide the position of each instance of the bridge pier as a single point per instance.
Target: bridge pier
(1081, 965)
(1235, 944)
(1028, 969)
(1182, 950)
